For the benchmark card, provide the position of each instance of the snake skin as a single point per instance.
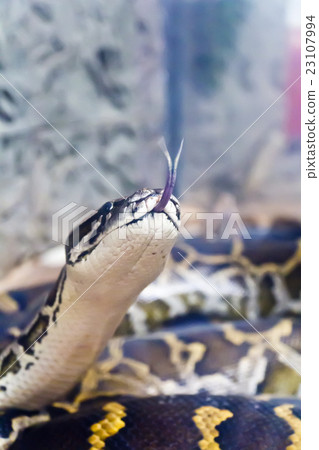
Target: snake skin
(185, 386)
(259, 279)
(170, 422)
(227, 358)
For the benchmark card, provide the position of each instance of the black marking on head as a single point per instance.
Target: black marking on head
(36, 333)
(3, 388)
(84, 228)
(112, 211)
(177, 207)
(118, 203)
(87, 226)
(170, 219)
(82, 255)
(10, 364)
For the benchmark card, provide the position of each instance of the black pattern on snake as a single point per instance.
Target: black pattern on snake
(179, 422)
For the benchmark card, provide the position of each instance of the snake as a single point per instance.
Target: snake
(78, 376)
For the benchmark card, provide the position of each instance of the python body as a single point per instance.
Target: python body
(102, 277)
(104, 273)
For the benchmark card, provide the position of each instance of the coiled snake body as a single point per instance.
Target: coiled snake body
(187, 387)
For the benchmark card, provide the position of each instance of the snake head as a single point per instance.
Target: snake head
(149, 217)
(129, 233)
(124, 246)
(136, 232)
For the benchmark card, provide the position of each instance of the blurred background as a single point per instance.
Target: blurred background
(107, 79)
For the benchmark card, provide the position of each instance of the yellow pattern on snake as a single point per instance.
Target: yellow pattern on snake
(285, 412)
(107, 427)
(236, 256)
(207, 419)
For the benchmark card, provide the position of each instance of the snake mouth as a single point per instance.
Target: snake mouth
(142, 206)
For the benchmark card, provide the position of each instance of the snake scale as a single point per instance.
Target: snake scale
(193, 378)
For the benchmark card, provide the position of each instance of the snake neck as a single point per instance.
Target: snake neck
(104, 273)
(66, 337)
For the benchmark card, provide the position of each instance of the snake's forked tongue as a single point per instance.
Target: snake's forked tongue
(171, 177)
